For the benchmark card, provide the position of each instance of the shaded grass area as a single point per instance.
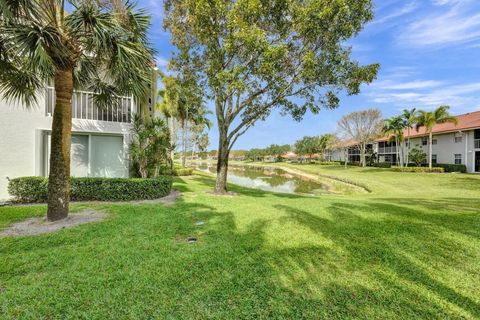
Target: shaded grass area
(258, 255)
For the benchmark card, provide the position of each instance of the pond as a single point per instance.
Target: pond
(270, 179)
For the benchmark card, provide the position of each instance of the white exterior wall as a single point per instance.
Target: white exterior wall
(446, 148)
(21, 139)
(338, 155)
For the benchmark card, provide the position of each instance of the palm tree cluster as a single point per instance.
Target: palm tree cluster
(180, 101)
(100, 46)
(397, 126)
(150, 147)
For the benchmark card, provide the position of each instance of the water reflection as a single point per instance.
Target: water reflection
(268, 179)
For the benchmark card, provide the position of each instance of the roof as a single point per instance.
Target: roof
(345, 143)
(466, 121)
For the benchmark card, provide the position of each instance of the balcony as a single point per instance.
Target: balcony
(477, 143)
(387, 150)
(83, 107)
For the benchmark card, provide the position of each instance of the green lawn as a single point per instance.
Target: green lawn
(408, 249)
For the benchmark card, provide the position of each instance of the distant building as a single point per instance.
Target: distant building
(452, 144)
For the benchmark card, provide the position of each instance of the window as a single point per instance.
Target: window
(94, 156)
(434, 159)
(424, 141)
(434, 141)
(458, 137)
(458, 158)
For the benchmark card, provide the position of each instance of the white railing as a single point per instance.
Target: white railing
(387, 150)
(477, 143)
(83, 107)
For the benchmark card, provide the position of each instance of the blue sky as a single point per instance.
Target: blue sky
(429, 51)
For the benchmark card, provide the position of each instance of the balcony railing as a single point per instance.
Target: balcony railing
(477, 143)
(83, 107)
(387, 150)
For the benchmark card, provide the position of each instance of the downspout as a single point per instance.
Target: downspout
(466, 150)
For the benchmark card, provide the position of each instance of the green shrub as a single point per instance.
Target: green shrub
(328, 163)
(452, 167)
(382, 165)
(35, 189)
(418, 169)
(181, 172)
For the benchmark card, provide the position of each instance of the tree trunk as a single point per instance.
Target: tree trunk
(173, 139)
(184, 143)
(346, 157)
(408, 149)
(59, 176)
(362, 155)
(222, 164)
(430, 136)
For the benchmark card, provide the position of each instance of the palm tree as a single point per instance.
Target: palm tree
(100, 46)
(429, 120)
(395, 126)
(409, 117)
(168, 105)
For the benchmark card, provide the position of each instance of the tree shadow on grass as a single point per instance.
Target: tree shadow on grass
(138, 264)
(369, 244)
(461, 215)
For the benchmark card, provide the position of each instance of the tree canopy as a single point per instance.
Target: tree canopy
(256, 56)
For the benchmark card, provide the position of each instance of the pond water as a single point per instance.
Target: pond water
(269, 179)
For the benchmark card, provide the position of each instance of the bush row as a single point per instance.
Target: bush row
(452, 167)
(35, 189)
(418, 169)
(328, 163)
(382, 165)
(180, 172)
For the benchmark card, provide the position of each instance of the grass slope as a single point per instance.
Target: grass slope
(408, 249)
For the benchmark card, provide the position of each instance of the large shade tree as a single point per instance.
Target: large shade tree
(257, 56)
(362, 127)
(100, 46)
(428, 119)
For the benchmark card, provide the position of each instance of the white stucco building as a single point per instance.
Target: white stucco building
(100, 137)
(452, 144)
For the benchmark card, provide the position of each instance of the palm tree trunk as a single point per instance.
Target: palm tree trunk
(184, 143)
(430, 150)
(59, 176)
(408, 149)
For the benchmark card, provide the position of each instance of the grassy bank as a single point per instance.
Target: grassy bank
(408, 249)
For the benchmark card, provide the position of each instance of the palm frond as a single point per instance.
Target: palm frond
(20, 85)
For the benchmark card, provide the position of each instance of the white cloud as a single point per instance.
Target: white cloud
(418, 84)
(462, 97)
(409, 7)
(161, 62)
(459, 24)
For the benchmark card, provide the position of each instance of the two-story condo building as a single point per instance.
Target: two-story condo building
(452, 144)
(100, 137)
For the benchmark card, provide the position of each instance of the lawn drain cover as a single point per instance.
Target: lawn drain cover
(191, 239)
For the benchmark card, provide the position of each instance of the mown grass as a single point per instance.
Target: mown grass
(408, 249)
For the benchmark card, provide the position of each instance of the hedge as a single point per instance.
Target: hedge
(382, 165)
(418, 169)
(35, 189)
(183, 172)
(328, 163)
(452, 167)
